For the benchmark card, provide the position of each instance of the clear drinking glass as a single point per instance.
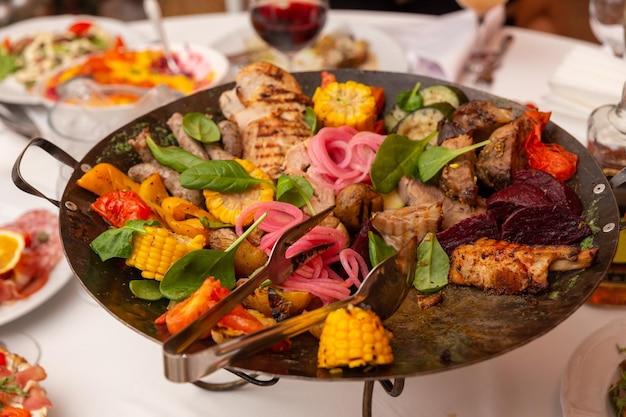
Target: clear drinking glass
(606, 18)
(288, 26)
(480, 55)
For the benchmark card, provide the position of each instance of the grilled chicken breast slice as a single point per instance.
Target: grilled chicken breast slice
(511, 268)
(255, 80)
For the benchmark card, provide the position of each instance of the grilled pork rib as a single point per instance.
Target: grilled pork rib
(510, 268)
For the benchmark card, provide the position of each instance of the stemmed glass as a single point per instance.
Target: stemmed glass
(480, 8)
(606, 18)
(288, 26)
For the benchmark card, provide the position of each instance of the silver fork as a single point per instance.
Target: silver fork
(384, 290)
(15, 118)
(277, 269)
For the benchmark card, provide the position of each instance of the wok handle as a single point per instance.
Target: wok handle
(53, 150)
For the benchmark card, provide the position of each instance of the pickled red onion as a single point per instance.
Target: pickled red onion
(342, 156)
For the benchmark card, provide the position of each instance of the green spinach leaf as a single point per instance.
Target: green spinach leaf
(118, 243)
(294, 189)
(311, 119)
(174, 157)
(432, 160)
(410, 100)
(225, 176)
(397, 156)
(146, 289)
(201, 128)
(379, 250)
(433, 265)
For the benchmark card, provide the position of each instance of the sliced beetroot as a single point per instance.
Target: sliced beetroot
(468, 230)
(556, 191)
(502, 203)
(544, 225)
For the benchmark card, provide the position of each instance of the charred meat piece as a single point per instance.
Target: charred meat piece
(175, 122)
(141, 146)
(477, 118)
(458, 178)
(509, 268)
(398, 226)
(232, 141)
(504, 154)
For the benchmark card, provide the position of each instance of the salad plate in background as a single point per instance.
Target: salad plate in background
(14, 91)
(591, 370)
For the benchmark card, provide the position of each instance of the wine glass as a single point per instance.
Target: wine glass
(288, 26)
(479, 55)
(606, 18)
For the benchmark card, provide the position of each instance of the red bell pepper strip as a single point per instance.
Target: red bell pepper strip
(548, 157)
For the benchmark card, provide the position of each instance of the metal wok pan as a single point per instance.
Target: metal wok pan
(468, 327)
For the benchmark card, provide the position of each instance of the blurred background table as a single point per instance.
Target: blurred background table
(99, 367)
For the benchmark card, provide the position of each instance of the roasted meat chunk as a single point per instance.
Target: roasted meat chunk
(458, 178)
(504, 155)
(510, 268)
(398, 226)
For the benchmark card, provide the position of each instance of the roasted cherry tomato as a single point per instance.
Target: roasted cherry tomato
(117, 207)
(3, 359)
(79, 28)
(548, 157)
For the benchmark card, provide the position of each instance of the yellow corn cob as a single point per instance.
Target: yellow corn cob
(156, 250)
(346, 104)
(353, 337)
(227, 207)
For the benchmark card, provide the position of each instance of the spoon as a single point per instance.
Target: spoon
(384, 290)
(153, 11)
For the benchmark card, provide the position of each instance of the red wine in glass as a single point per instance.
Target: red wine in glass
(288, 26)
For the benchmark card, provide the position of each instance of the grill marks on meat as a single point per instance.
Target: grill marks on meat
(510, 268)
(504, 155)
(268, 106)
(476, 117)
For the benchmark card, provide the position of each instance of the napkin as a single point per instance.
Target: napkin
(588, 77)
(440, 47)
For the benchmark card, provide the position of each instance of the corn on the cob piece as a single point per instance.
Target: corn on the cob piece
(227, 207)
(156, 250)
(353, 337)
(346, 104)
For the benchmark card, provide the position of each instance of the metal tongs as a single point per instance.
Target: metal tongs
(384, 290)
(180, 365)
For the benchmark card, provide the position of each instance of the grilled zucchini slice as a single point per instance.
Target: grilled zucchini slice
(422, 122)
(441, 93)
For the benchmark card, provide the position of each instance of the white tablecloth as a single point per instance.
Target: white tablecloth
(99, 367)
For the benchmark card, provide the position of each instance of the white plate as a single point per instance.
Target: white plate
(57, 280)
(388, 54)
(13, 92)
(591, 370)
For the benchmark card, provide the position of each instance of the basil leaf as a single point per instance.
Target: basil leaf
(294, 189)
(201, 128)
(397, 156)
(118, 243)
(225, 176)
(410, 100)
(146, 289)
(189, 272)
(433, 265)
(379, 250)
(432, 160)
(174, 157)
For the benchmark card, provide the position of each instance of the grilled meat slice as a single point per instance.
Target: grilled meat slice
(510, 268)
(267, 140)
(398, 226)
(458, 178)
(141, 146)
(504, 155)
(231, 138)
(261, 79)
(171, 180)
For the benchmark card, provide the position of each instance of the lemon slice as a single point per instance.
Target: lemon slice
(11, 247)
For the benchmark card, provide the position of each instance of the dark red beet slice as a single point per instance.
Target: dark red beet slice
(544, 225)
(556, 191)
(509, 199)
(468, 230)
